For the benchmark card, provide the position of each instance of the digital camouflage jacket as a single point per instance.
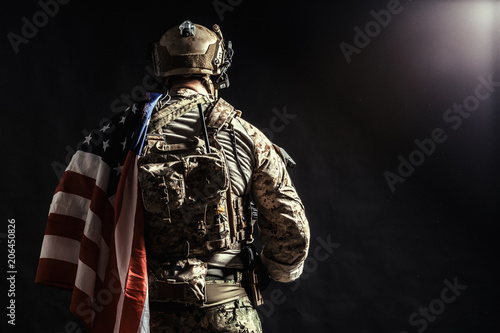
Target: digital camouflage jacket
(257, 168)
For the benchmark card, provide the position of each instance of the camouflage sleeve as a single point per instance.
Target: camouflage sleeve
(283, 226)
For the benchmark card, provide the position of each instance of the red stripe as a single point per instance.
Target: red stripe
(78, 184)
(136, 288)
(65, 226)
(75, 183)
(84, 186)
(56, 273)
(105, 318)
(81, 306)
(89, 253)
(129, 163)
(101, 206)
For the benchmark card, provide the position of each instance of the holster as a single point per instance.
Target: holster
(252, 286)
(254, 274)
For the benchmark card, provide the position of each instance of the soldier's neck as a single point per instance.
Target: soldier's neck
(193, 85)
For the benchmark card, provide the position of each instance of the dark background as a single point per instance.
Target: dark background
(394, 250)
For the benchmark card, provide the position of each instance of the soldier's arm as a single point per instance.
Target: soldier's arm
(283, 226)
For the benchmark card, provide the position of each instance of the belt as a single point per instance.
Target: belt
(221, 259)
(226, 259)
(222, 284)
(216, 293)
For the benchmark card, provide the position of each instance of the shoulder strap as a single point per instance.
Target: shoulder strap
(222, 114)
(176, 110)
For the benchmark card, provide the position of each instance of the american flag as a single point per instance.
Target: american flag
(94, 243)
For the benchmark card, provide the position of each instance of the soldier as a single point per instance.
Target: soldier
(204, 173)
(162, 232)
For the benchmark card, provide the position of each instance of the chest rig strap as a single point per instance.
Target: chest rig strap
(221, 119)
(221, 115)
(175, 110)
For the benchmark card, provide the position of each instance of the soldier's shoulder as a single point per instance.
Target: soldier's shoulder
(227, 109)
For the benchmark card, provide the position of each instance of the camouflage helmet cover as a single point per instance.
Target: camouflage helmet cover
(190, 49)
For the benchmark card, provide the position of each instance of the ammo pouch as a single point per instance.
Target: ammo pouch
(170, 181)
(185, 194)
(180, 281)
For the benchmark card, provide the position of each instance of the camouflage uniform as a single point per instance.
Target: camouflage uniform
(283, 227)
(235, 316)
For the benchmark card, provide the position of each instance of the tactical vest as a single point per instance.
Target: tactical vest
(191, 210)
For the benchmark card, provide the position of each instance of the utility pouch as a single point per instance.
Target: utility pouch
(180, 281)
(163, 187)
(185, 193)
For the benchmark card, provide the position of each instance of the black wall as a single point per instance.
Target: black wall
(381, 259)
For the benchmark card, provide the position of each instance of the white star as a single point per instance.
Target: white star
(118, 169)
(124, 143)
(105, 145)
(87, 139)
(134, 108)
(105, 128)
(122, 121)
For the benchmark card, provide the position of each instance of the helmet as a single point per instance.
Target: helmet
(192, 49)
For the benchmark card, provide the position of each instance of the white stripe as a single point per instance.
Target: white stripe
(76, 206)
(119, 309)
(93, 227)
(70, 204)
(85, 279)
(60, 248)
(144, 324)
(93, 231)
(124, 234)
(90, 165)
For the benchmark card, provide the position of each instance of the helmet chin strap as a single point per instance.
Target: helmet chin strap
(209, 85)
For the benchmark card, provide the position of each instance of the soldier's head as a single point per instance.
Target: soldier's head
(192, 51)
